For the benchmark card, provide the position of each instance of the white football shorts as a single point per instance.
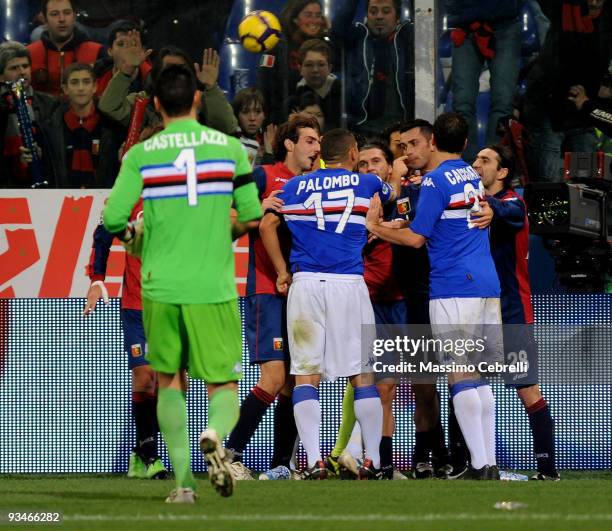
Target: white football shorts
(468, 319)
(325, 314)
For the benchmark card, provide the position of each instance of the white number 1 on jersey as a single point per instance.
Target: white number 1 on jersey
(186, 161)
(316, 200)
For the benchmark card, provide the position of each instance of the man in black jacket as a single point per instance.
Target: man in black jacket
(15, 158)
(576, 52)
(83, 143)
(379, 69)
(598, 111)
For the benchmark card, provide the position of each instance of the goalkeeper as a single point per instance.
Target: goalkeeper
(188, 176)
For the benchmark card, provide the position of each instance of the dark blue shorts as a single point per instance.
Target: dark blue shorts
(520, 347)
(134, 337)
(417, 308)
(266, 328)
(390, 313)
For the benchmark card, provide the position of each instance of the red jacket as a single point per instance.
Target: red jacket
(48, 63)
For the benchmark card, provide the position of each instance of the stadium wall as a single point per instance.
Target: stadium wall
(64, 381)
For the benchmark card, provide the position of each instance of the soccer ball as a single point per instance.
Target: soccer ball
(259, 31)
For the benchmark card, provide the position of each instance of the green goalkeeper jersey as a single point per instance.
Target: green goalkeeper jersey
(189, 176)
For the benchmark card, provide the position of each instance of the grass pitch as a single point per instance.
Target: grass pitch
(581, 501)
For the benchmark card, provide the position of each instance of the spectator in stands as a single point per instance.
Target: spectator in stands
(106, 67)
(315, 67)
(60, 45)
(249, 110)
(279, 71)
(117, 101)
(576, 52)
(310, 104)
(486, 32)
(83, 144)
(15, 170)
(597, 110)
(378, 66)
(392, 135)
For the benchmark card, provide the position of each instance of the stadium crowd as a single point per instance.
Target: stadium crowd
(84, 104)
(557, 101)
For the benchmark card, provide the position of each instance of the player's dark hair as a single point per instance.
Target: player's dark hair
(450, 132)
(378, 144)
(121, 26)
(506, 160)
(306, 99)
(315, 45)
(395, 127)
(175, 87)
(158, 65)
(246, 98)
(291, 131)
(44, 3)
(336, 144)
(77, 67)
(174, 51)
(425, 127)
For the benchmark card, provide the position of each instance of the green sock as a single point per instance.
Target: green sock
(172, 418)
(348, 421)
(223, 411)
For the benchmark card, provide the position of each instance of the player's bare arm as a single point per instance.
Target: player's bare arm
(399, 236)
(269, 236)
(240, 228)
(395, 181)
(96, 291)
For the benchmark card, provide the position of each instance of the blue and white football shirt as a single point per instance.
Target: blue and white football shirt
(460, 256)
(325, 211)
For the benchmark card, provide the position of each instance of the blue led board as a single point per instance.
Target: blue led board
(65, 392)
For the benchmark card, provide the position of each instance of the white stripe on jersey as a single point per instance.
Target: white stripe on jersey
(181, 190)
(358, 220)
(202, 167)
(292, 217)
(457, 198)
(297, 206)
(216, 166)
(359, 201)
(455, 214)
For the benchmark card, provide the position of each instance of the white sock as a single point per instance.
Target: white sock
(468, 411)
(307, 413)
(355, 444)
(487, 401)
(369, 414)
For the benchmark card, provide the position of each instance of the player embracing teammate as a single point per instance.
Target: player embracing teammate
(464, 287)
(328, 301)
(296, 147)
